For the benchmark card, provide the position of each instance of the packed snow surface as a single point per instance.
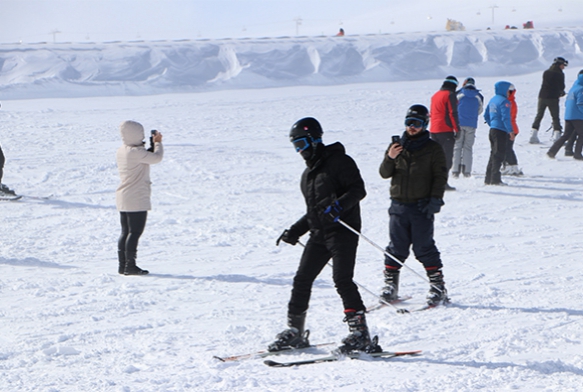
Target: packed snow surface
(226, 189)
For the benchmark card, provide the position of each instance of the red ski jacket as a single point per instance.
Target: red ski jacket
(444, 117)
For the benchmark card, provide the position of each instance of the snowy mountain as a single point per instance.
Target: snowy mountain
(143, 68)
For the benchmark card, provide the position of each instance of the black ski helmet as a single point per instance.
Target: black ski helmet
(418, 112)
(305, 135)
(305, 127)
(560, 61)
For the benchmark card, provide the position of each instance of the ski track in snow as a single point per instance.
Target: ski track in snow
(227, 187)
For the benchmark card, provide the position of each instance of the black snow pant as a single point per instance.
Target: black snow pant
(572, 127)
(498, 142)
(510, 157)
(553, 105)
(447, 141)
(2, 160)
(132, 227)
(341, 248)
(409, 226)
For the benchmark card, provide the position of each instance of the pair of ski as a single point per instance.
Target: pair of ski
(339, 356)
(328, 358)
(18, 197)
(399, 300)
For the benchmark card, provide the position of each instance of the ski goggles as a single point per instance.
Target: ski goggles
(414, 122)
(303, 143)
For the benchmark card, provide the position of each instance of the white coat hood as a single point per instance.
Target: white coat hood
(132, 133)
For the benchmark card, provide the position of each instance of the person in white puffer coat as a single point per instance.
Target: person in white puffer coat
(133, 194)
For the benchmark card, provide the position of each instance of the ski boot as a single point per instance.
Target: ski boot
(556, 135)
(359, 338)
(5, 191)
(391, 290)
(131, 268)
(534, 136)
(437, 293)
(293, 337)
(514, 170)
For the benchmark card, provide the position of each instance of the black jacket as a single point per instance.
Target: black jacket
(418, 172)
(333, 176)
(553, 85)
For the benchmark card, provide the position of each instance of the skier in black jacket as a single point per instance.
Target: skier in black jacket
(417, 167)
(332, 189)
(552, 88)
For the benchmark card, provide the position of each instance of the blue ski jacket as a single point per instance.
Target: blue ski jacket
(574, 102)
(470, 106)
(497, 113)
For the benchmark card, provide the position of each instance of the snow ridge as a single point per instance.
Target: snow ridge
(142, 68)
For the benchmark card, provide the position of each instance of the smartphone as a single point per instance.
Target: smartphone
(395, 139)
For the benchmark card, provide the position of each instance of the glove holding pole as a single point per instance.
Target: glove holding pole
(332, 212)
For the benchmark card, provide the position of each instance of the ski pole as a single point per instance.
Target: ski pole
(399, 310)
(387, 253)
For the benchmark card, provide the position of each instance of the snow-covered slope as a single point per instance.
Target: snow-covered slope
(142, 68)
(226, 189)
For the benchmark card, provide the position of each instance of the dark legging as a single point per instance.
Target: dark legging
(132, 227)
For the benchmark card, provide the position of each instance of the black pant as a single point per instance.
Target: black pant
(447, 141)
(2, 160)
(553, 105)
(132, 227)
(498, 141)
(572, 128)
(341, 248)
(510, 157)
(409, 226)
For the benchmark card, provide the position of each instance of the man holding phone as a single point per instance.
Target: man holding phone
(417, 167)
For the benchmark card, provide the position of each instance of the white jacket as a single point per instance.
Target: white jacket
(133, 163)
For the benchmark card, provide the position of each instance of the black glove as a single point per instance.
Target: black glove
(457, 135)
(333, 211)
(289, 236)
(430, 206)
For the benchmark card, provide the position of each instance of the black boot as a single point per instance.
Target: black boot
(359, 338)
(391, 290)
(437, 292)
(121, 257)
(131, 267)
(293, 337)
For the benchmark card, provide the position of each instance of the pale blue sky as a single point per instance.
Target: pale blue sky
(105, 20)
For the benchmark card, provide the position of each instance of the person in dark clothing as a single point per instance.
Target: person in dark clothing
(332, 189)
(573, 121)
(552, 88)
(498, 116)
(445, 124)
(4, 190)
(418, 171)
